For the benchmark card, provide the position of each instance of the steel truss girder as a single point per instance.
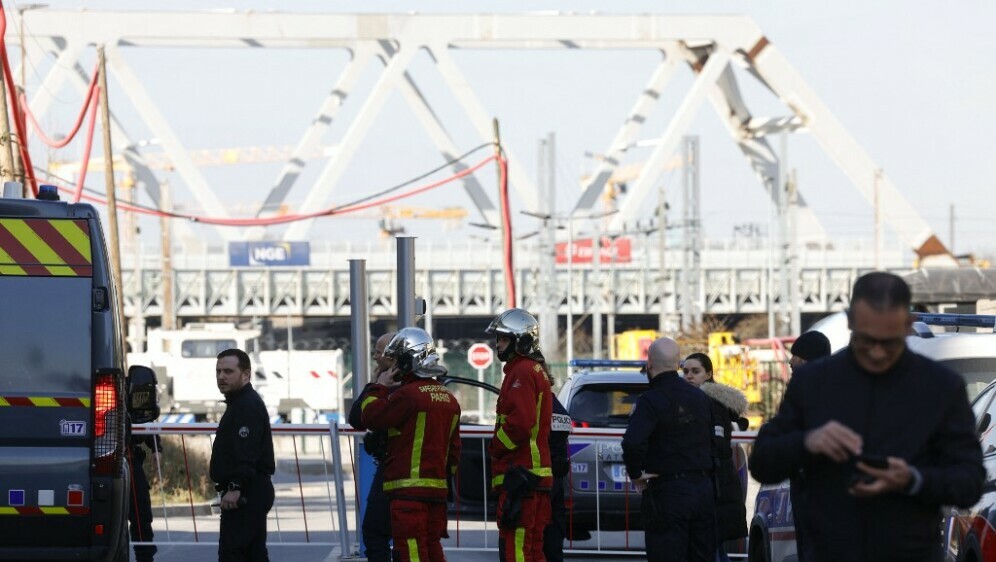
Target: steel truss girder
(315, 292)
(725, 38)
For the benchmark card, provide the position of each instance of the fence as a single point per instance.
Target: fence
(317, 492)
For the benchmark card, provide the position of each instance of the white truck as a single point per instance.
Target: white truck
(186, 359)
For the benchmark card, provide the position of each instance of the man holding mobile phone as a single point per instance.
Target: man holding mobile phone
(885, 437)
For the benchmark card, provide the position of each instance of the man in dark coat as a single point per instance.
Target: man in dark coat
(810, 346)
(875, 403)
(242, 462)
(668, 451)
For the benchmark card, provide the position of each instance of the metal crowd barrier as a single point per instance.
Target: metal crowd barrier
(320, 508)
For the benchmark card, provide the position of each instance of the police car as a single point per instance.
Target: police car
(599, 395)
(973, 355)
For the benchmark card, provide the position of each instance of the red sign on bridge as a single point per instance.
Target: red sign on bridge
(613, 251)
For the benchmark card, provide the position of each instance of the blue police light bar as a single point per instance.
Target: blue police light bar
(956, 320)
(610, 363)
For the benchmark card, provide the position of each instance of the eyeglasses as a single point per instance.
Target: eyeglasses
(865, 341)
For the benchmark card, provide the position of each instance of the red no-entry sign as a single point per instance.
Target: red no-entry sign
(480, 356)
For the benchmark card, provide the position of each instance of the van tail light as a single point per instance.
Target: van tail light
(576, 423)
(108, 423)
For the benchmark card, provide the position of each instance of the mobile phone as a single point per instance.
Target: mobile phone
(874, 461)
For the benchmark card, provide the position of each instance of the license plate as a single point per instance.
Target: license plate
(618, 473)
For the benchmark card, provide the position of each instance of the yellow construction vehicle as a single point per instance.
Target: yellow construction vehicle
(632, 344)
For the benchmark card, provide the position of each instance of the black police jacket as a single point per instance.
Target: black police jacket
(670, 430)
(243, 444)
(560, 431)
(917, 411)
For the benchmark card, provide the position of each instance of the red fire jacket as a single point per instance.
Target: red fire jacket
(422, 419)
(522, 430)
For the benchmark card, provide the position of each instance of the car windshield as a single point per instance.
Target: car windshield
(978, 372)
(604, 404)
(205, 349)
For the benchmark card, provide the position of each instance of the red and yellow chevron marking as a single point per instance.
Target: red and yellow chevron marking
(44, 401)
(47, 510)
(45, 248)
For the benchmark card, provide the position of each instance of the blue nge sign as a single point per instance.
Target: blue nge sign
(265, 254)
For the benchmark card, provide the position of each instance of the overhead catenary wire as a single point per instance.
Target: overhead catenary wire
(360, 204)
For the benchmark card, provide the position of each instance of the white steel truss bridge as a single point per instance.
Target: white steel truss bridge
(463, 279)
(710, 47)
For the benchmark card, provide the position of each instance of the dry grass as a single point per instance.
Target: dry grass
(173, 484)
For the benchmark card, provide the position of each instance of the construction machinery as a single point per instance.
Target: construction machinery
(632, 344)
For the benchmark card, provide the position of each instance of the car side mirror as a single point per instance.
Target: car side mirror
(143, 394)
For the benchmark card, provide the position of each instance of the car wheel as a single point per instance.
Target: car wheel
(578, 533)
(757, 546)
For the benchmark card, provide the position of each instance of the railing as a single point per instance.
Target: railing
(315, 506)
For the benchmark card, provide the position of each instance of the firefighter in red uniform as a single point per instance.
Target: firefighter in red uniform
(422, 420)
(520, 449)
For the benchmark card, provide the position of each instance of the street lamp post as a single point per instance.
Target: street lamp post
(570, 288)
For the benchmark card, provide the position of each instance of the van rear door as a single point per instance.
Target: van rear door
(46, 420)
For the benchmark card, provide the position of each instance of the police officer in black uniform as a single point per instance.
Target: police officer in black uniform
(668, 453)
(560, 430)
(242, 462)
(140, 506)
(377, 517)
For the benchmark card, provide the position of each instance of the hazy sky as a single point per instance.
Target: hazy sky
(913, 82)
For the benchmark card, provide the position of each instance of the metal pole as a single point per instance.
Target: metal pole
(662, 250)
(168, 320)
(570, 287)
(406, 281)
(793, 251)
(596, 317)
(113, 244)
(550, 304)
(359, 317)
(784, 303)
(610, 295)
(340, 491)
(696, 213)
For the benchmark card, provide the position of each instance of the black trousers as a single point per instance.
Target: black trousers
(243, 530)
(140, 508)
(377, 521)
(686, 521)
(553, 535)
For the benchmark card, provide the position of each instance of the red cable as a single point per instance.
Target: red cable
(29, 170)
(506, 220)
(289, 218)
(79, 118)
(89, 144)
